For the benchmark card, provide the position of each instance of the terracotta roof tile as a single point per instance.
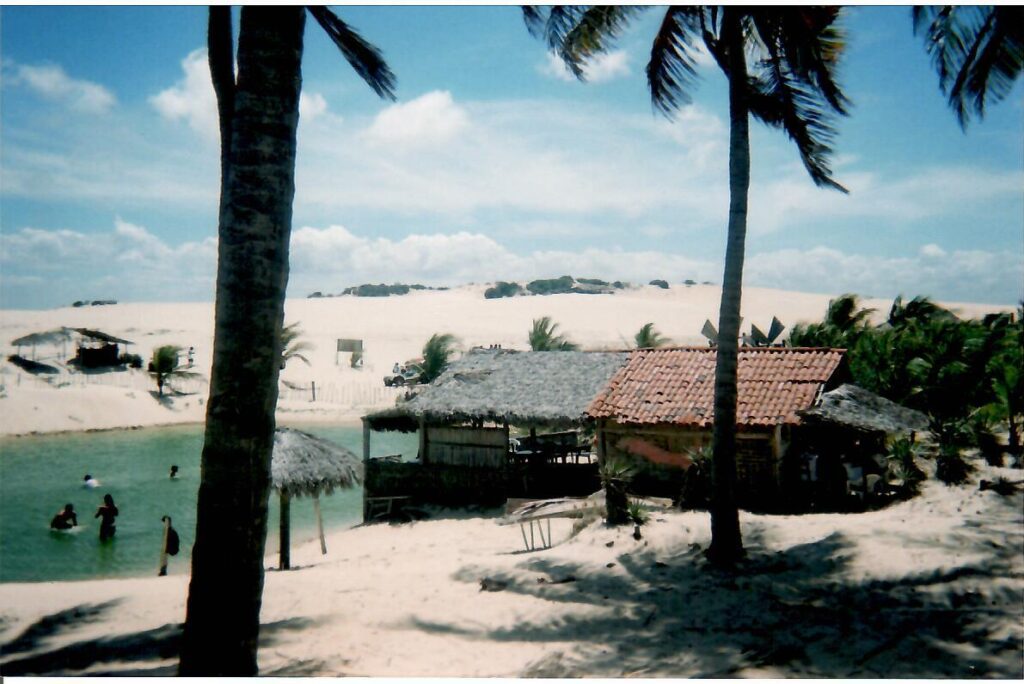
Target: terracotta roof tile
(677, 386)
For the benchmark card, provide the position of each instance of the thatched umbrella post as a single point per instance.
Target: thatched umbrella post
(305, 464)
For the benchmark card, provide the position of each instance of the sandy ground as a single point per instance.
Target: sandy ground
(929, 588)
(392, 329)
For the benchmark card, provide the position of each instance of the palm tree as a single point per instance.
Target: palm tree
(258, 114)
(292, 346)
(790, 85)
(649, 338)
(843, 325)
(978, 53)
(164, 365)
(436, 354)
(543, 337)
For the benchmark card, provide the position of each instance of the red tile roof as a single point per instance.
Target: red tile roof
(677, 386)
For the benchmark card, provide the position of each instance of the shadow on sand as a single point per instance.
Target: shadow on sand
(154, 651)
(791, 613)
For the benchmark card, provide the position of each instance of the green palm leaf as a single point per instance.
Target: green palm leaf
(363, 56)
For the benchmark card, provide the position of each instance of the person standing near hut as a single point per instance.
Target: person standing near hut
(108, 511)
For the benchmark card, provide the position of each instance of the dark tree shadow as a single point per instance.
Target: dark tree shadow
(793, 612)
(154, 646)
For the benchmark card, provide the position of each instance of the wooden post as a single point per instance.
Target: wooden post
(319, 524)
(313, 383)
(163, 548)
(284, 532)
(423, 442)
(366, 464)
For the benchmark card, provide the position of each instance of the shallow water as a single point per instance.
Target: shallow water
(39, 474)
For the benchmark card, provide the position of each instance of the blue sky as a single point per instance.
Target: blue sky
(492, 164)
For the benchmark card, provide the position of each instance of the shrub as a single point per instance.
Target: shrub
(615, 478)
(545, 286)
(689, 283)
(503, 289)
(131, 360)
(951, 468)
(657, 282)
(593, 281)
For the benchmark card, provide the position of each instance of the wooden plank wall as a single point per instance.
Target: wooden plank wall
(464, 446)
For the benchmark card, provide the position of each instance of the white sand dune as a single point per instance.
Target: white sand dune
(392, 329)
(930, 588)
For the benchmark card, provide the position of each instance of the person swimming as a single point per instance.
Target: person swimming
(108, 511)
(90, 482)
(65, 519)
(174, 471)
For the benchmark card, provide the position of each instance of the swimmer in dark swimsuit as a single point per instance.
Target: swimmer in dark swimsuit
(108, 511)
(65, 520)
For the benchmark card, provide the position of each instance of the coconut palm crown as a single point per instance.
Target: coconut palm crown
(543, 337)
(780, 63)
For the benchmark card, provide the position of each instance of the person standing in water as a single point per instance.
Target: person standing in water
(65, 519)
(108, 511)
(174, 471)
(90, 482)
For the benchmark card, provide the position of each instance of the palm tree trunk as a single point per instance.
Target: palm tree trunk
(726, 544)
(225, 593)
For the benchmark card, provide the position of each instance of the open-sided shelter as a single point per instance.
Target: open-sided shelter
(464, 416)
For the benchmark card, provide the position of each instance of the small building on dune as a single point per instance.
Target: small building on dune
(468, 453)
(657, 413)
(97, 349)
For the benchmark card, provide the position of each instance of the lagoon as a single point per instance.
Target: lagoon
(41, 473)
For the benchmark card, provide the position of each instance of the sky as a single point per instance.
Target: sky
(493, 164)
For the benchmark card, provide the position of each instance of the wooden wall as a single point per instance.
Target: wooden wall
(484, 447)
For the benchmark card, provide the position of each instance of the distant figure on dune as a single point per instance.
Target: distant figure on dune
(174, 472)
(90, 482)
(65, 519)
(108, 511)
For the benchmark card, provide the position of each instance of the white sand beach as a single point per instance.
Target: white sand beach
(928, 588)
(393, 329)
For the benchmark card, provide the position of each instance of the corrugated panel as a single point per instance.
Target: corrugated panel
(677, 386)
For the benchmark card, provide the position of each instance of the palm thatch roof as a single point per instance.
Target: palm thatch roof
(101, 336)
(852, 406)
(501, 385)
(48, 337)
(305, 464)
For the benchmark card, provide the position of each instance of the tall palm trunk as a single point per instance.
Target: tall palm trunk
(726, 543)
(225, 593)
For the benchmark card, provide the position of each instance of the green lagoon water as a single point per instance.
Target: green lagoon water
(39, 474)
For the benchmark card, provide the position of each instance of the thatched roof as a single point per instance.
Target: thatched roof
(49, 337)
(305, 464)
(858, 408)
(549, 388)
(101, 336)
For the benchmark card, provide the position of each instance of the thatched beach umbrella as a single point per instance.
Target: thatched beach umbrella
(57, 336)
(303, 464)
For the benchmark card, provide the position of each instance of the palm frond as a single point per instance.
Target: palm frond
(592, 33)
(535, 18)
(789, 91)
(364, 57)
(978, 53)
(672, 73)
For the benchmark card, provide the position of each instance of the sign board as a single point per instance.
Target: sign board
(350, 345)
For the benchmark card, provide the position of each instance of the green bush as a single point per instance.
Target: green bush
(657, 282)
(951, 468)
(546, 286)
(503, 289)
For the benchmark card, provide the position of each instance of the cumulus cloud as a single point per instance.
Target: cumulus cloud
(51, 82)
(41, 267)
(599, 69)
(932, 250)
(428, 120)
(193, 100)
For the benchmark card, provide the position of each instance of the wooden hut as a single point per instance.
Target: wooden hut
(661, 402)
(97, 349)
(305, 465)
(464, 418)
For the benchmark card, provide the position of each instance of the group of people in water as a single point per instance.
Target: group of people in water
(67, 518)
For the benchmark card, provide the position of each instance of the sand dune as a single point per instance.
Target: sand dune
(392, 329)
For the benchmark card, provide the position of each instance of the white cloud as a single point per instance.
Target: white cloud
(932, 250)
(431, 119)
(53, 83)
(601, 68)
(191, 98)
